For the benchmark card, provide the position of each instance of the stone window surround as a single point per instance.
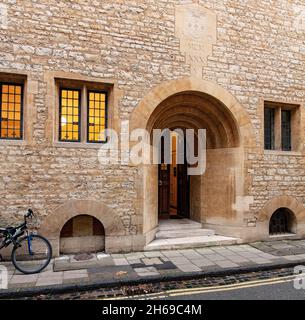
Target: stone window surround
(84, 87)
(116, 239)
(298, 126)
(53, 80)
(30, 89)
(264, 215)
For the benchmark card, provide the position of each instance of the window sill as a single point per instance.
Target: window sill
(20, 143)
(78, 145)
(283, 153)
(283, 236)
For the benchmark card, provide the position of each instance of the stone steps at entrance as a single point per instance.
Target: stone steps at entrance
(180, 224)
(169, 234)
(191, 242)
(185, 234)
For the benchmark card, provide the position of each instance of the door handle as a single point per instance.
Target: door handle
(160, 183)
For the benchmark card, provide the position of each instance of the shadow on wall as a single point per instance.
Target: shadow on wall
(82, 234)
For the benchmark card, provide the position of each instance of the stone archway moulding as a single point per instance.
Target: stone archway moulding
(282, 202)
(144, 113)
(54, 222)
(153, 99)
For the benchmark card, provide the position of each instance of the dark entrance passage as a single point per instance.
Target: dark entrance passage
(183, 192)
(282, 222)
(174, 188)
(174, 195)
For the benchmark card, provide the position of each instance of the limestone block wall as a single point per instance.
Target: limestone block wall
(259, 54)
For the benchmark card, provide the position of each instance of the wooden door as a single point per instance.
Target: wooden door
(164, 191)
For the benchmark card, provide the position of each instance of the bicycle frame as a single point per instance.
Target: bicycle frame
(29, 237)
(23, 239)
(12, 237)
(2, 245)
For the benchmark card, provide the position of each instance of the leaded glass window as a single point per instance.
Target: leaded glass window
(11, 110)
(286, 130)
(269, 129)
(69, 122)
(97, 116)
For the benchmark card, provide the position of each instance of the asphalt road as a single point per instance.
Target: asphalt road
(270, 289)
(275, 291)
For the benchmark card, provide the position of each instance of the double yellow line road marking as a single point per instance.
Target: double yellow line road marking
(195, 291)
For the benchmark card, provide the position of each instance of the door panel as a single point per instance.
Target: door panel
(183, 191)
(164, 191)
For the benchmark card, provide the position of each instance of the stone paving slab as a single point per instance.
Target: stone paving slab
(120, 262)
(188, 267)
(226, 264)
(75, 274)
(201, 263)
(281, 248)
(157, 264)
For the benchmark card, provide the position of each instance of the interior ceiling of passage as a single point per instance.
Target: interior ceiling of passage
(195, 110)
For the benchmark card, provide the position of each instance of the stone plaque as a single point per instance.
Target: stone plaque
(3, 16)
(196, 29)
(299, 21)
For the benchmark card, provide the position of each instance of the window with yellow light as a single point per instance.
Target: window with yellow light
(69, 122)
(96, 116)
(11, 111)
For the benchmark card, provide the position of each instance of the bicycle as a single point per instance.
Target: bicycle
(31, 253)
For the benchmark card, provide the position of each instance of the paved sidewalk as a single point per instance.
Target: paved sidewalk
(145, 266)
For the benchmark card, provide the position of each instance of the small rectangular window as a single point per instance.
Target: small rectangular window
(269, 129)
(11, 109)
(69, 121)
(97, 116)
(286, 130)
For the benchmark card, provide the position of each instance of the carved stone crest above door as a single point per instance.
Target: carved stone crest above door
(196, 29)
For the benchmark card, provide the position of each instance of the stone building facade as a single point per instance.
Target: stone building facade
(215, 64)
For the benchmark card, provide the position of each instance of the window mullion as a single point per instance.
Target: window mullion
(83, 119)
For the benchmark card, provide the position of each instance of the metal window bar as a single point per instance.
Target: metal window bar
(279, 223)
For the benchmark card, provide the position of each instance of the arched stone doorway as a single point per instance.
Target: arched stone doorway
(195, 110)
(198, 104)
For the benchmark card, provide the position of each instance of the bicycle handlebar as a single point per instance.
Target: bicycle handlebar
(29, 214)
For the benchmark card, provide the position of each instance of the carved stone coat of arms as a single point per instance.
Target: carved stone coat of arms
(196, 29)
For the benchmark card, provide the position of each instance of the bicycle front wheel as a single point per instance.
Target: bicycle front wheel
(33, 255)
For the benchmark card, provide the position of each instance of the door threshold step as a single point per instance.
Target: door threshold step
(191, 242)
(170, 234)
(183, 224)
